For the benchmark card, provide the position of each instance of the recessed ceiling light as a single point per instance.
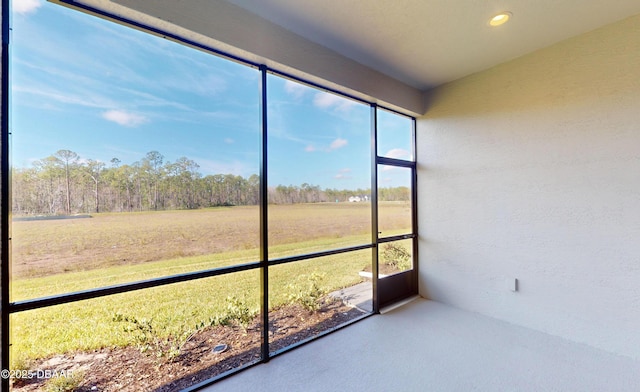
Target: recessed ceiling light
(500, 19)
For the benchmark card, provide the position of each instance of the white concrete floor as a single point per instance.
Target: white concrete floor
(428, 346)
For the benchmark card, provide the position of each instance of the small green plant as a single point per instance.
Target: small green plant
(149, 339)
(238, 310)
(212, 322)
(396, 255)
(173, 345)
(141, 332)
(309, 293)
(64, 384)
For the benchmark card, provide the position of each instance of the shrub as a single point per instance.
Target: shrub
(150, 340)
(237, 310)
(309, 293)
(396, 255)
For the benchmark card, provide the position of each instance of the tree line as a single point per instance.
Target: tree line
(63, 183)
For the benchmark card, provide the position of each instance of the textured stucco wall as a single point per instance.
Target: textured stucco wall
(531, 170)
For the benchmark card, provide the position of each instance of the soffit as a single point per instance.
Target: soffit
(425, 43)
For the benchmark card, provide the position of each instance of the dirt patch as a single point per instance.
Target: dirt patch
(127, 369)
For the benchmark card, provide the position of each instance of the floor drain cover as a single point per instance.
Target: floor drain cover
(220, 348)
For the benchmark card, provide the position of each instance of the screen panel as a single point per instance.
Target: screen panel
(319, 176)
(132, 156)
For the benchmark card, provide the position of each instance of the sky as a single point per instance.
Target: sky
(108, 91)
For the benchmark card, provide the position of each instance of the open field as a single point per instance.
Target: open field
(46, 247)
(52, 257)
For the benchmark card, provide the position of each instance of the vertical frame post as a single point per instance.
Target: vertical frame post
(414, 201)
(5, 200)
(374, 206)
(264, 236)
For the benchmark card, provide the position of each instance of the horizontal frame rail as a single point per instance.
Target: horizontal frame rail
(37, 303)
(395, 162)
(21, 306)
(397, 238)
(308, 256)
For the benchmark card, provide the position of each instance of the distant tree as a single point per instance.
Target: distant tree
(67, 160)
(94, 170)
(182, 177)
(63, 182)
(49, 172)
(253, 191)
(152, 162)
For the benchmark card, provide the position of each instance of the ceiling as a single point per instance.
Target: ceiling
(387, 52)
(425, 43)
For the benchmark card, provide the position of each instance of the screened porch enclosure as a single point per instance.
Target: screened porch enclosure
(179, 208)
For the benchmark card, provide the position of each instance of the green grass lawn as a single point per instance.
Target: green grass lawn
(173, 308)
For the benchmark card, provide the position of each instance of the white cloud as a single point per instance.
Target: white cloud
(228, 140)
(398, 153)
(325, 100)
(79, 97)
(206, 86)
(294, 89)
(343, 174)
(147, 99)
(338, 143)
(124, 118)
(25, 6)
